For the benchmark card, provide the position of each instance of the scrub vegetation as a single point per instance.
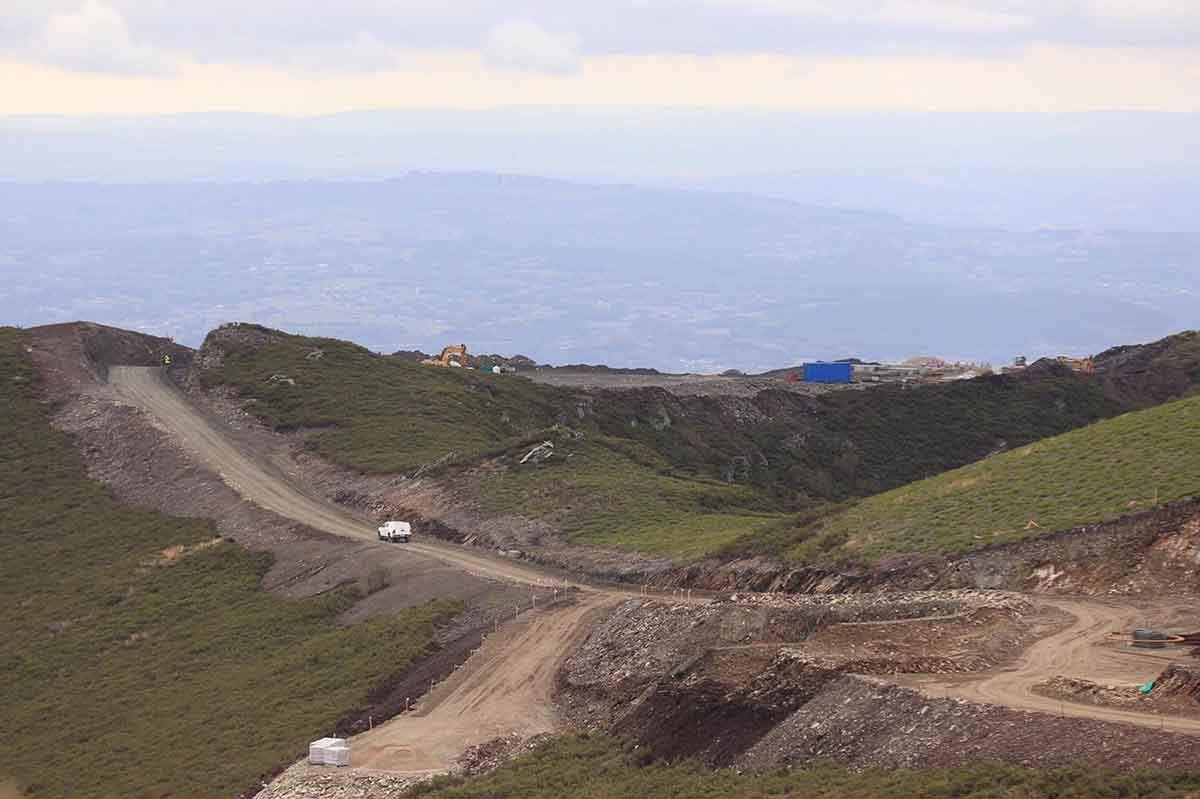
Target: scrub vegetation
(1109, 469)
(615, 492)
(682, 476)
(140, 656)
(596, 767)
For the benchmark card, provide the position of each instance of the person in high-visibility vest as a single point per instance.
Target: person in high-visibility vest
(166, 360)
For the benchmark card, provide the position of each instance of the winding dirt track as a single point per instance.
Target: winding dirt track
(148, 389)
(1082, 650)
(506, 686)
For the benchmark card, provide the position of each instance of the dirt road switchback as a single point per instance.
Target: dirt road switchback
(504, 688)
(262, 484)
(1082, 650)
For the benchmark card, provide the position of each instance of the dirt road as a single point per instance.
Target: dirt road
(504, 688)
(148, 389)
(1082, 650)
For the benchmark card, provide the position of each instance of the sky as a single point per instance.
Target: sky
(312, 57)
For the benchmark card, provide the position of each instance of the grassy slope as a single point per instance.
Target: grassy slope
(899, 435)
(384, 414)
(619, 493)
(637, 482)
(126, 677)
(597, 768)
(1084, 476)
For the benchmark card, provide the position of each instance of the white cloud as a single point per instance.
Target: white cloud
(138, 36)
(360, 52)
(95, 38)
(951, 16)
(1182, 16)
(524, 45)
(935, 15)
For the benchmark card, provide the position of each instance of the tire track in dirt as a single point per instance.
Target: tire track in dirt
(261, 483)
(504, 688)
(1081, 650)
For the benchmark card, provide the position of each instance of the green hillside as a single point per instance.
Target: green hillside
(376, 413)
(643, 469)
(130, 674)
(615, 492)
(1096, 473)
(596, 767)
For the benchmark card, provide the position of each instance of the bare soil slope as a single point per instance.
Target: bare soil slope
(765, 681)
(1084, 650)
(503, 689)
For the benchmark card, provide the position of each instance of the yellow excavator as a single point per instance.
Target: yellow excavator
(1082, 365)
(454, 355)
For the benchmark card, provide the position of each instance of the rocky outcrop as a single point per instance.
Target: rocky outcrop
(1147, 374)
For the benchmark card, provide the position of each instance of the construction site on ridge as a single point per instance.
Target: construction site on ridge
(721, 617)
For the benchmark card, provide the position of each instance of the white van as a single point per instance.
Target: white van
(396, 532)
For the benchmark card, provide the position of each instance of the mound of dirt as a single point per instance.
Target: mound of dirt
(866, 723)
(1179, 680)
(303, 781)
(1176, 692)
(75, 354)
(1072, 689)
(708, 681)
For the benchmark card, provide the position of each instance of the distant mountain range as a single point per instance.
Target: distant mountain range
(570, 272)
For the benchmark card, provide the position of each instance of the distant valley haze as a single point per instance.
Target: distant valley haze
(680, 279)
(688, 184)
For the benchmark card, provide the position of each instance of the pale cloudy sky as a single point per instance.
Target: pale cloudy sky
(313, 57)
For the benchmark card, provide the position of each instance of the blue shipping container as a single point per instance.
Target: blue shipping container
(828, 372)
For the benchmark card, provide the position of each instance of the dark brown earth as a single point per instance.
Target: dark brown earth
(1176, 692)
(863, 722)
(759, 682)
(709, 681)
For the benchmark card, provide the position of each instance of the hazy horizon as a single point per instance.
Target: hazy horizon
(681, 280)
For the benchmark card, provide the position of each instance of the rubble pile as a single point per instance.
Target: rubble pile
(1180, 680)
(303, 781)
(643, 639)
(708, 681)
(890, 605)
(1072, 689)
(1175, 692)
(494, 753)
(865, 723)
